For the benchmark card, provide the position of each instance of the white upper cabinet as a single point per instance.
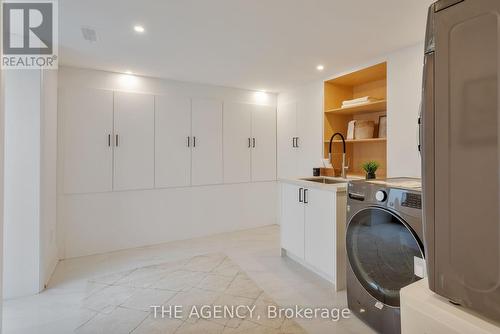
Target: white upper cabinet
(87, 121)
(172, 141)
(134, 141)
(249, 142)
(288, 141)
(207, 163)
(237, 142)
(263, 143)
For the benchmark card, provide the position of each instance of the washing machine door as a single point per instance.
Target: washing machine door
(381, 249)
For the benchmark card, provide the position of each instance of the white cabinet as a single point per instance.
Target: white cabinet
(319, 233)
(312, 229)
(207, 163)
(292, 219)
(134, 141)
(263, 143)
(287, 141)
(172, 141)
(87, 124)
(300, 132)
(237, 142)
(249, 142)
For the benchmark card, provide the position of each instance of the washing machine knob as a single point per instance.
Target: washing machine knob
(381, 195)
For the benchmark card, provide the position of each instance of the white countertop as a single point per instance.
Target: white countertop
(335, 187)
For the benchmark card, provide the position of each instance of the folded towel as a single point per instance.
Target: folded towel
(361, 100)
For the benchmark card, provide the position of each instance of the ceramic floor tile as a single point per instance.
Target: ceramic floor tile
(252, 255)
(202, 326)
(143, 299)
(121, 320)
(153, 325)
(180, 280)
(107, 298)
(215, 283)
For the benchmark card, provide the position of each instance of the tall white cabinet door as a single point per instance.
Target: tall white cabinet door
(320, 230)
(292, 220)
(206, 127)
(87, 116)
(287, 131)
(237, 142)
(263, 143)
(134, 141)
(172, 141)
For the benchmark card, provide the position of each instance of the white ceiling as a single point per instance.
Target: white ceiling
(254, 44)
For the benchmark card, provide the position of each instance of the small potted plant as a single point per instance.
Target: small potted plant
(370, 167)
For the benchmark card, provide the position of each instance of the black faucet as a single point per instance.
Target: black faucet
(344, 167)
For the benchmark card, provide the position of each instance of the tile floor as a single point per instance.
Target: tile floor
(84, 293)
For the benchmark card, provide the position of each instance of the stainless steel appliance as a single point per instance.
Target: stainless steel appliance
(384, 248)
(460, 153)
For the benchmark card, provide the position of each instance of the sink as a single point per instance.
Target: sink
(324, 180)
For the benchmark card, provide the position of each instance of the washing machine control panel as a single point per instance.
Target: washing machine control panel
(411, 200)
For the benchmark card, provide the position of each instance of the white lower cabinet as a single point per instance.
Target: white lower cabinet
(292, 220)
(319, 244)
(309, 221)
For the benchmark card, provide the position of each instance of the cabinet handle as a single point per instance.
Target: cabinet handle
(293, 142)
(306, 201)
(253, 140)
(194, 141)
(189, 141)
(116, 140)
(249, 143)
(297, 142)
(300, 195)
(109, 140)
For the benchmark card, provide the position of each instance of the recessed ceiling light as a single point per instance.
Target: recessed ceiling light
(320, 67)
(139, 29)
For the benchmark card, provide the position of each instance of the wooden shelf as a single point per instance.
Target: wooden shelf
(370, 107)
(353, 141)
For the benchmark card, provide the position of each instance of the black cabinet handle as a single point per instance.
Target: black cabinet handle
(249, 143)
(253, 140)
(109, 140)
(300, 195)
(189, 141)
(194, 141)
(305, 196)
(293, 142)
(116, 140)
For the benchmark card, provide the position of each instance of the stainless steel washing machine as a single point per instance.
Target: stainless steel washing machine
(384, 240)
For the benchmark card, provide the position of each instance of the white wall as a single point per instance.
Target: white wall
(22, 183)
(404, 90)
(48, 176)
(2, 132)
(30, 252)
(97, 223)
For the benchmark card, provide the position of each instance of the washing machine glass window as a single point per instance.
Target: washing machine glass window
(382, 251)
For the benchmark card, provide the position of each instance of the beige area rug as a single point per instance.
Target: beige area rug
(122, 302)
